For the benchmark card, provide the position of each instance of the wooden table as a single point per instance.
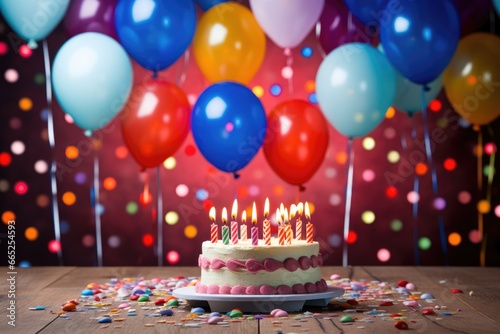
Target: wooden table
(476, 310)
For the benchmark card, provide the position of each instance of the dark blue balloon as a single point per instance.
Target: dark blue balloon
(155, 33)
(229, 125)
(371, 12)
(422, 38)
(207, 4)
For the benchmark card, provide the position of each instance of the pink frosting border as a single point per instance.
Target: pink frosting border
(298, 288)
(268, 264)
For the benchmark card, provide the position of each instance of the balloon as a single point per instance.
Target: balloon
(229, 44)
(33, 20)
(355, 85)
(420, 46)
(338, 26)
(496, 5)
(92, 77)
(207, 4)
(296, 140)
(369, 11)
(155, 121)
(408, 96)
(472, 79)
(155, 33)
(287, 22)
(473, 14)
(91, 15)
(229, 125)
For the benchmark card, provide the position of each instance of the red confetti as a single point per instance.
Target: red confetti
(402, 283)
(401, 325)
(386, 304)
(428, 312)
(160, 302)
(456, 291)
(134, 297)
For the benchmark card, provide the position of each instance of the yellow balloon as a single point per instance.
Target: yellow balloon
(229, 44)
(472, 78)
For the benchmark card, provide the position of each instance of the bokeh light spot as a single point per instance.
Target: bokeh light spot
(278, 190)
(368, 175)
(131, 208)
(173, 257)
(450, 164)
(334, 240)
(80, 178)
(24, 264)
(421, 168)
(182, 190)
(8, 216)
(88, 240)
(306, 52)
(396, 225)
(242, 191)
(368, 217)
(148, 240)
(69, 198)
(424, 243)
(114, 241)
(172, 218)
(439, 203)
(39, 78)
(109, 183)
(393, 157)
(121, 152)
(170, 163)
(341, 158)
(352, 237)
(190, 231)
(454, 239)
(490, 148)
(253, 190)
(258, 91)
(5, 159)
(390, 133)
(413, 197)
(25, 104)
(487, 170)
(42, 200)
(497, 211)
(190, 150)
(464, 197)
(41, 166)
(330, 172)
(391, 192)
(313, 98)
(483, 206)
(54, 246)
(435, 105)
(368, 143)
(25, 51)
(4, 185)
(15, 123)
(4, 48)
(287, 72)
(71, 152)
(31, 233)
(17, 147)
(11, 75)
(383, 255)
(275, 90)
(475, 236)
(335, 199)
(390, 113)
(201, 194)
(20, 188)
(310, 86)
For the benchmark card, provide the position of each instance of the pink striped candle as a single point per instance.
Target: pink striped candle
(255, 230)
(234, 223)
(309, 233)
(281, 235)
(298, 222)
(267, 224)
(213, 228)
(243, 226)
(289, 236)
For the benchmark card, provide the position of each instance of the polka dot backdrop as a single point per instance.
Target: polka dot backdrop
(386, 163)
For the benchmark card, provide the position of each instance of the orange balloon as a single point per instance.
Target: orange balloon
(472, 78)
(296, 140)
(229, 44)
(155, 121)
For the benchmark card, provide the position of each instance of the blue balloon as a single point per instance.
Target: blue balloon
(409, 95)
(92, 78)
(33, 20)
(229, 125)
(207, 4)
(371, 12)
(496, 5)
(155, 33)
(355, 85)
(421, 39)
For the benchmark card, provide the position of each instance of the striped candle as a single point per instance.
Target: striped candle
(243, 232)
(289, 236)
(267, 232)
(234, 232)
(309, 233)
(281, 235)
(213, 233)
(298, 229)
(225, 235)
(255, 236)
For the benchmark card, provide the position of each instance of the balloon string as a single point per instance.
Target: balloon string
(159, 216)
(482, 255)
(145, 191)
(348, 199)
(491, 167)
(444, 246)
(97, 214)
(182, 77)
(416, 190)
(289, 62)
(318, 34)
(52, 142)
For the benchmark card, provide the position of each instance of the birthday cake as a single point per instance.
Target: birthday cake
(246, 269)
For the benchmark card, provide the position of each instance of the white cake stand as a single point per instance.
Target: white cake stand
(257, 303)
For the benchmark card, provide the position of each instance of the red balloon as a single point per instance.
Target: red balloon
(155, 121)
(296, 140)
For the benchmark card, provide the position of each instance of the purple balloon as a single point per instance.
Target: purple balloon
(91, 16)
(473, 14)
(339, 26)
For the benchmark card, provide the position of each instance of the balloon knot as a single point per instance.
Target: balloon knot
(142, 169)
(88, 133)
(302, 188)
(411, 114)
(287, 52)
(32, 44)
(236, 175)
(427, 88)
(155, 74)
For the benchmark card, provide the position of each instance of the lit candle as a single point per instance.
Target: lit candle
(225, 228)
(255, 231)
(213, 228)
(298, 223)
(243, 227)
(288, 229)
(309, 226)
(267, 224)
(234, 223)
(281, 230)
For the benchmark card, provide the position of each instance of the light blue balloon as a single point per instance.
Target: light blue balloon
(33, 20)
(92, 78)
(409, 95)
(355, 85)
(496, 5)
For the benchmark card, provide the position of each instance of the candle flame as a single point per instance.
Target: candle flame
(244, 217)
(278, 216)
(234, 211)
(306, 211)
(254, 214)
(285, 219)
(266, 208)
(300, 208)
(212, 214)
(224, 215)
(293, 211)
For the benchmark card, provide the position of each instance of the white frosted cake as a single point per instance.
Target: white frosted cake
(243, 269)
